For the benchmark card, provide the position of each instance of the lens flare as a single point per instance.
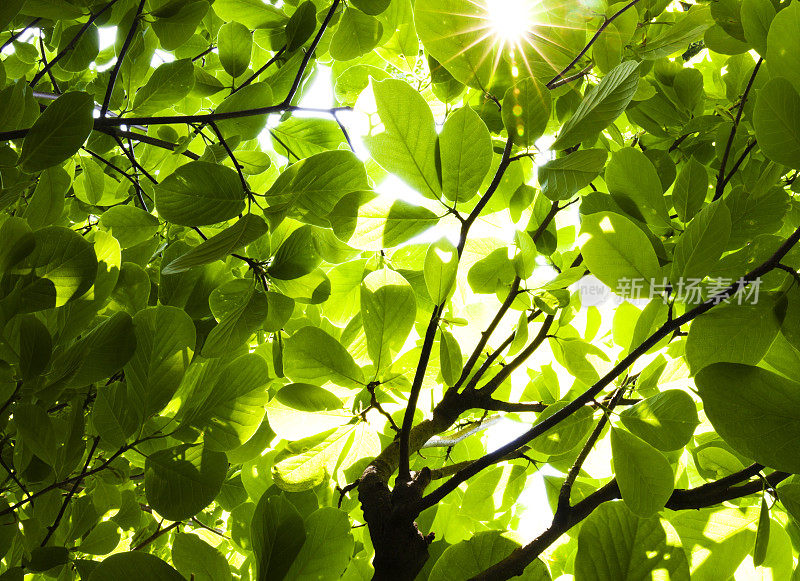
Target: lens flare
(509, 20)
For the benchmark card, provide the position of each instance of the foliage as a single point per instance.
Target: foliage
(243, 337)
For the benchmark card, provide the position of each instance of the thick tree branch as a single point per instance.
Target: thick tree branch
(404, 474)
(703, 496)
(665, 330)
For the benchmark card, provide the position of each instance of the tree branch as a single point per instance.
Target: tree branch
(71, 44)
(703, 496)
(15, 36)
(437, 495)
(404, 473)
(52, 528)
(721, 179)
(555, 80)
(118, 65)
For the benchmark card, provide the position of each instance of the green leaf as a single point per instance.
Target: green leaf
(407, 147)
(689, 191)
(165, 341)
(301, 26)
(465, 151)
(175, 27)
(246, 230)
(297, 256)
(468, 558)
(58, 133)
(388, 311)
(790, 326)
(35, 346)
(230, 409)
(616, 545)
(134, 564)
(369, 222)
(715, 540)
(356, 35)
(617, 251)
(700, 246)
(47, 202)
(567, 434)
(564, 177)
(195, 558)
(526, 111)
(37, 430)
(83, 52)
(688, 28)
(448, 30)
(8, 11)
(731, 333)
(450, 357)
(312, 355)
(491, 273)
(304, 464)
(245, 314)
(200, 193)
(129, 225)
(643, 473)
(278, 535)
(601, 106)
(754, 213)
(776, 119)
(757, 17)
(246, 98)
(633, 181)
(113, 416)
(306, 136)
(252, 13)
(762, 534)
(755, 411)
(312, 187)
(179, 482)
(372, 7)
(100, 353)
(62, 268)
(783, 46)
(667, 420)
(102, 539)
(441, 267)
(300, 410)
(327, 548)
(168, 84)
(235, 43)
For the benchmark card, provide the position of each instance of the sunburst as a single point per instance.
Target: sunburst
(510, 21)
(510, 30)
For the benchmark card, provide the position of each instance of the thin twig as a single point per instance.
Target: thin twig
(20, 33)
(118, 65)
(721, 179)
(71, 44)
(52, 528)
(552, 84)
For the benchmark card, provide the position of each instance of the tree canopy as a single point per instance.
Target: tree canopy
(399, 289)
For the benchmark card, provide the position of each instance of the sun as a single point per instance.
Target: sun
(509, 20)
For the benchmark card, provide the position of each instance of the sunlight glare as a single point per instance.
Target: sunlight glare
(510, 20)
